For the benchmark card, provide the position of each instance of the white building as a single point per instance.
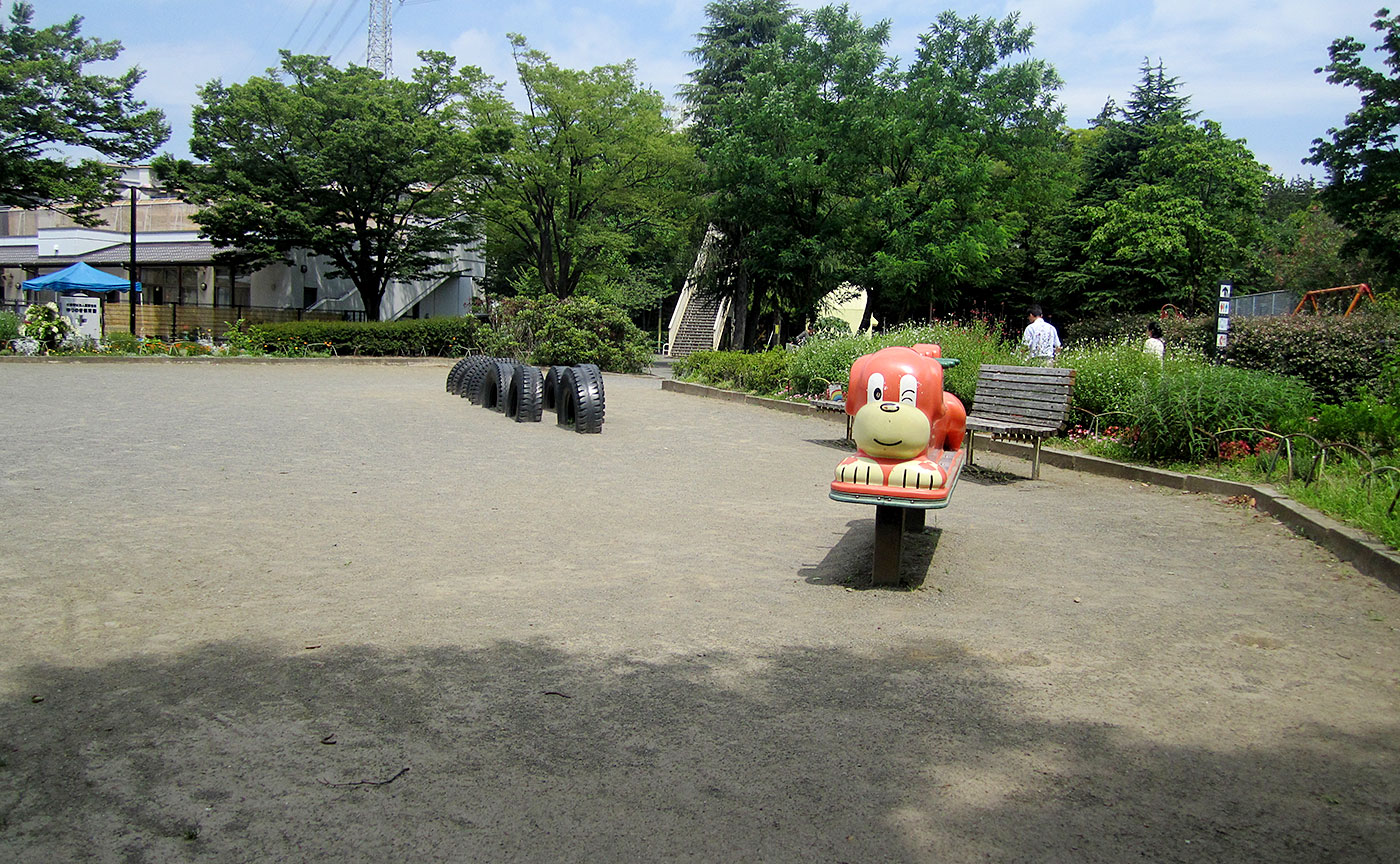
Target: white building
(183, 289)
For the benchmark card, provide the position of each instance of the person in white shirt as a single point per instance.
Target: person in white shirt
(1154, 346)
(1041, 339)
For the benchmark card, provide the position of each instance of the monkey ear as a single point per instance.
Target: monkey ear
(855, 391)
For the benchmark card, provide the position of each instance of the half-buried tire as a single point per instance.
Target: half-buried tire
(525, 403)
(469, 385)
(495, 387)
(581, 399)
(552, 380)
(454, 378)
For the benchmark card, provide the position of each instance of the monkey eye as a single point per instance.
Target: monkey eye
(875, 388)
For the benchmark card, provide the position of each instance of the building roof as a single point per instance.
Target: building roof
(147, 255)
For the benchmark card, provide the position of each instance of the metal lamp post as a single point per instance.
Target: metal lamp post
(132, 294)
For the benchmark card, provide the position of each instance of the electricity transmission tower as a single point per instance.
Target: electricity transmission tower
(381, 37)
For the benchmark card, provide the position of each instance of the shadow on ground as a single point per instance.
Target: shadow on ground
(984, 476)
(851, 560)
(527, 752)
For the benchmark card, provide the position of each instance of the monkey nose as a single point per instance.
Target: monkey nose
(891, 407)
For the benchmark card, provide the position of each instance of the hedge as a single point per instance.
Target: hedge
(431, 337)
(1334, 356)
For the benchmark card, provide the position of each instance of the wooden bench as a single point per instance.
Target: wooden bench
(1025, 402)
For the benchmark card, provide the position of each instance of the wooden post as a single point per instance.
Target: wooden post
(889, 539)
(914, 519)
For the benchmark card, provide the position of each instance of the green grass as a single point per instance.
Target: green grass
(1342, 490)
(1170, 409)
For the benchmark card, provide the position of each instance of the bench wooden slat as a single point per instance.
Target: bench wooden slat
(994, 407)
(1039, 391)
(1020, 402)
(1006, 428)
(1006, 400)
(1035, 373)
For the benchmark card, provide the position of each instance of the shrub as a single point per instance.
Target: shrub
(829, 359)
(1176, 414)
(1108, 375)
(831, 325)
(734, 370)
(44, 324)
(9, 328)
(429, 337)
(123, 343)
(1108, 328)
(1334, 356)
(1372, 420)
(554, 332)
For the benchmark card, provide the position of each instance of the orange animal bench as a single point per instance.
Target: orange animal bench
(908, 435)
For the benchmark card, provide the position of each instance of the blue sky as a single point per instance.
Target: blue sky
(1245, 63)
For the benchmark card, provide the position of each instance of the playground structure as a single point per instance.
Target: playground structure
(1360, 290)
(908, 434)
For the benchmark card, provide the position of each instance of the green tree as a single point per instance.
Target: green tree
(791, 156)
(1363, 165)
(1309, 251)
(377, 176)
(47, 101)
(737, 29)
(1166, 206)
(967, 152)
(594, 190)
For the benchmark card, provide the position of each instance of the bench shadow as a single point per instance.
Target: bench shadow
(981, 475)
(848, 564)
(842, 444)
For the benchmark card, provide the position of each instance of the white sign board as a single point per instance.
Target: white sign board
(84, 312)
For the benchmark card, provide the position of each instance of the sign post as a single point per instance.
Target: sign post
(1222, 321)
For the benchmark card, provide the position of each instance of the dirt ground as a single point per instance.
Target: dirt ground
(322, 611)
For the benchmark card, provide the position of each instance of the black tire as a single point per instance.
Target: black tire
(495, 387)
(454, 377)
(526, 401)
(469, 385)
(581, 399)
(551, 388)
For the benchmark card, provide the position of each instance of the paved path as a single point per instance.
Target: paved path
(232, 589)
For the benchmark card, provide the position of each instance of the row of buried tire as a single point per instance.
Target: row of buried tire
(518, 390)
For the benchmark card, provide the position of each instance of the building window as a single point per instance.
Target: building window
(231, 287)
(189, 285)
(223, 286)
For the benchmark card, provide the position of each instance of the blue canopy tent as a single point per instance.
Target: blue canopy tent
(79, 277)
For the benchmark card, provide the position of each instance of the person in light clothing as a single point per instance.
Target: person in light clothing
(1041, 339)
(1154, 346)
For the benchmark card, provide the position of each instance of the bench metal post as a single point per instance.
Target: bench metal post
(914, 519)
(1035, 459)
(889, 540)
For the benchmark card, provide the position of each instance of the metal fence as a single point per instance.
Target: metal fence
(1264, 303)
(177, 321)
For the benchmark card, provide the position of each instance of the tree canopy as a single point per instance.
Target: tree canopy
(48, 101)
(594, 188)
(377, 176)
(1361, 158)
(827, 163)
(1165, 207)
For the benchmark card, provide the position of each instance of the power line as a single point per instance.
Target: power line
(310, 37)
(354, 32)
(297, 29)
(326, 43)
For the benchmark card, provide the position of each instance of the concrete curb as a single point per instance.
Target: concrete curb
(1363, 551)
(746, 399)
